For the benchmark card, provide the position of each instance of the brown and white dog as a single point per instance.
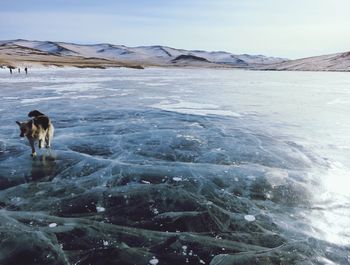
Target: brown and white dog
(39, 128)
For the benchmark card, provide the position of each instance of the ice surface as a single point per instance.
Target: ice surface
(131, 178)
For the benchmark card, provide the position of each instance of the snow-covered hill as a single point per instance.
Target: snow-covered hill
(332, 62)
(144, 55)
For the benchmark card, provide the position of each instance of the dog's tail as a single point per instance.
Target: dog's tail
(35, 113)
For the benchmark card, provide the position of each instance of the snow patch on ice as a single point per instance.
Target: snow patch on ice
(194, 108)
(249, 218)
(154, 261)
(36, 100)
(100, 209)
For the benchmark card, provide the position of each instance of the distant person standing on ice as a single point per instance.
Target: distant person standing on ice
(26, 70)
(19, 70)
(10, 70)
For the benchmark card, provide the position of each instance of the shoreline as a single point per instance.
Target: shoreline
(45, 65)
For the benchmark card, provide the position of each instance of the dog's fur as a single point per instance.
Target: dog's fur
(39, 128)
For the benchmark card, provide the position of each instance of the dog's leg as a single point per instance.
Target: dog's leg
(49, 135)
(47, 140)
(31, 142)
(41, 145)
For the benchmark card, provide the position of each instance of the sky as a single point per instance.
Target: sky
(290, 29)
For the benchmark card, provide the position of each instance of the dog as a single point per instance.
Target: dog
(39, 128)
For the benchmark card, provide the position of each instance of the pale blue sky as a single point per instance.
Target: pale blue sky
(292, 29)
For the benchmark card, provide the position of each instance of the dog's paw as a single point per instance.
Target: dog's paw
(33, 154)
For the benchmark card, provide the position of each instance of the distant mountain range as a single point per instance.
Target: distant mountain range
(21, 53)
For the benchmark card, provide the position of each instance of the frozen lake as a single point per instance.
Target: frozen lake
(177, 166)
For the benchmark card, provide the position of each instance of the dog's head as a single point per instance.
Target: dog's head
(25, 127)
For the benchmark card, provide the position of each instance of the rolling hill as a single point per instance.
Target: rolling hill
(25, 52)
(338, 62)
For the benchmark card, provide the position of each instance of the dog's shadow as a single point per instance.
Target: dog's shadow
(43, 168)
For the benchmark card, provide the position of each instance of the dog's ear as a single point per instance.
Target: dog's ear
(19, 124)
